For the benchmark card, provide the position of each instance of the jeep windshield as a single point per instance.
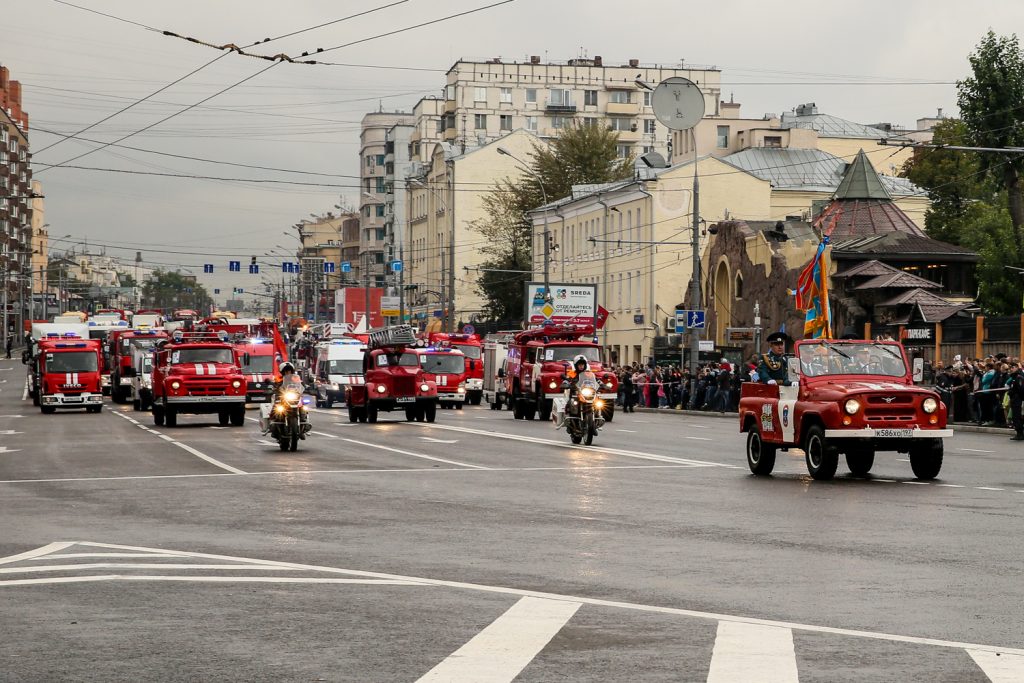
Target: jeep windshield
(868, 358)
(443, 363)
(567, 353)
(71, 361)
(203, 356)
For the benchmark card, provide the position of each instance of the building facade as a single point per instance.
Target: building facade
(16, 203)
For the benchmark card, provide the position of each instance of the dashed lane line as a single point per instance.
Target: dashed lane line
(415, 455)
(186, 447)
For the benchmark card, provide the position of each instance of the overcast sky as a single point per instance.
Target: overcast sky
(78, 67)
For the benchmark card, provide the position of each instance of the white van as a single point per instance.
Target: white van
(337, 364)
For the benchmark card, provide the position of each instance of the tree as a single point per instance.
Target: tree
(578, 155)
(171, 289)
(992, 108)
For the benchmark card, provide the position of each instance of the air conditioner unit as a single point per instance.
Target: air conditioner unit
(670, 324)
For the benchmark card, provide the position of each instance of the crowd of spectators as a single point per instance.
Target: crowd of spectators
(980, 390)
(669, 386)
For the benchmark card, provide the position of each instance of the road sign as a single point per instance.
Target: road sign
(705, 345)
(689, 320)
(207, 267)
(328, 266)
(678, 103)
(254, 269)
(396, 266)
(468, 329)
(235, 266)
(346, 266)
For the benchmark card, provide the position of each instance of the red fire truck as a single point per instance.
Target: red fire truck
(446, 367)
(197, 372)
(120, 347)
(69, 370)
(851, 397)
(473, 349)
(393, 379)
(537, 360)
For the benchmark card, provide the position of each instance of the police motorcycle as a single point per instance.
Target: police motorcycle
(580, 412)
(286, 416)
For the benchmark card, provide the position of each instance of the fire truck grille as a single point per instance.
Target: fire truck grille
(207, 388)
(404, 386)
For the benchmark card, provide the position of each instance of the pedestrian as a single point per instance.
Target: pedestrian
(1015, 393)
(628, 395)
(10, 345)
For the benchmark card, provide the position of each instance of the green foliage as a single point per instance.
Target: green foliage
(579, 155)
(999, 288)
(168, 290)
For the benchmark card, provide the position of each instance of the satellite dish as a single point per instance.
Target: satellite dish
(678, 103)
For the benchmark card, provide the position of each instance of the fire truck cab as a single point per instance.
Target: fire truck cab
(539, 358)
(446, 367)
(473, 349)
(849, 397)
(393, 379)
(197, 373)
(69, 370)
(259, 365)
(121, 346)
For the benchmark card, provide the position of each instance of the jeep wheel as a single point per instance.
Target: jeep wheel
(822, 459)
(926, 458)
(860, 460)
(760, 455)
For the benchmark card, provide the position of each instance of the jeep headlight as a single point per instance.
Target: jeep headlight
(852, 406)
(929, 405)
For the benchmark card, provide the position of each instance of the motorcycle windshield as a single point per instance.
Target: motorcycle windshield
(588, 382)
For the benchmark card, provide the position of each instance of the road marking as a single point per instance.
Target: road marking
(9, 432)
(345, 424)
(433, 440)
(5, 449)
(629, 431)
(265, 442)
(975, 450)
(999, 667)
(752, 652)
(38, 552)
(205, 579)
(988, 488)
(415, 455)
(80, 555)
(917, 483)
(561, 444)
(140, 565)
(329, 436)
(12, 416)
(885, 481)
(698, 438)
(164, 437)
(186, 447)
(519, 592)
(503, 649)
(952, 486)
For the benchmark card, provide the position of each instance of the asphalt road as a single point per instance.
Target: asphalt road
(481, 548)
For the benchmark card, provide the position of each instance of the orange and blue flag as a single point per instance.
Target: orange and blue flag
(812, 294)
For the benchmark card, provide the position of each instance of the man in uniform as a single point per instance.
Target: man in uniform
(772, 368)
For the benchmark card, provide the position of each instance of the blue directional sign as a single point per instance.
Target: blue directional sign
(235, 266)
(396, 266)
(346, 266)
(254, 269)
(216, 290)
(689, 320)
(207, 267)
(328, 266)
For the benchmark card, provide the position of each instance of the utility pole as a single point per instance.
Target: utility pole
(451, 250)
(366, 293)
(401, 284)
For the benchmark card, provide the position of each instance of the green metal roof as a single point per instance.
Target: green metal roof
(861, 181)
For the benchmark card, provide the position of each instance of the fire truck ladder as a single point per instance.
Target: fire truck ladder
(398, 335)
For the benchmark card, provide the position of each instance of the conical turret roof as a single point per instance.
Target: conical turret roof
(861, 181)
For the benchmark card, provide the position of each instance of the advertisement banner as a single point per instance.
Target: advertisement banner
(350, 306)
(389, 305)
(567, 303)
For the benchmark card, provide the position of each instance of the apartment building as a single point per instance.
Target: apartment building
(485, 100)
(323, 251)
(15, 205)
(397, 164)
(373, 191)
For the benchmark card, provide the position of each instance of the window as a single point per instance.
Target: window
(648, 149)
(590, 121)
(773, 141)
(440, 125)
(531, 95)
(739, 286)
(479, 94)
(505, 95)
(647, 98)
(559, 122)
(379, 184)
(649, 126)
(369, 161)
(506, 121)
(723, 137)
(378, 257)
(590, 97)
(620, 96)
(531, 123)
(622, 124)
(560, 97)
(366, 211)
(380, 210)
(480, 121)
(380, 159)
(449, 92)
(623, 151)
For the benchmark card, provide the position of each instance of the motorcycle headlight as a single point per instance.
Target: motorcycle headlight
(929, 405)
(381, 388)
(851, 406)
(553, 385)
(598, 404)
(236, 384)
(279, 408)
(175, 385)
(587, 392)
(424, 387)
(291, 396)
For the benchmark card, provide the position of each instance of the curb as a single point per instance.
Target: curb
(957, 427)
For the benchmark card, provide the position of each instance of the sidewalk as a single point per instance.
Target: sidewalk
(957, 427)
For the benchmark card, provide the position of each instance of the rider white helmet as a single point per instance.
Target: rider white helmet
(286, 367)
(581, 359)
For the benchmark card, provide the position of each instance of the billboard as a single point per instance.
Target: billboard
(390, 305)
(350, 306)
(568, 303)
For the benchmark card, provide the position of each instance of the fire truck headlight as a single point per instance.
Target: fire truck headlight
(175, 385)
(608, 385)
(424, 387)
(462, 390)
(381, 389)
(852, 406)
(929, 405)
(553, 385)
(236, 384)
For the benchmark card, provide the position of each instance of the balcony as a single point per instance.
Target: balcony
(629, 135)
(623, 108)
(450, 134)
(450, 106)
(559, 107)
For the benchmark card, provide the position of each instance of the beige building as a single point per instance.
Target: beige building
(40, 240)
(322, 243)
(448, 197)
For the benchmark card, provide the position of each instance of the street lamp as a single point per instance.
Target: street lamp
(547, 234)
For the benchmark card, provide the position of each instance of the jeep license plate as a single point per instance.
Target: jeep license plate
(405, 399)
(894, 433)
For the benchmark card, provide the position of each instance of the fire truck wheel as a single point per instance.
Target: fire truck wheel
(371, 414)
(223, 418)
(94, 409)
(136, 404)
(822, 459)
(517, 409)
(171, 417)
(926, 458)
(352, 416)
(760, 455)
(860, 459)
(237, 416)
(544, 411)
(458, 406)
(430, 412)
(47, 410)
(410, 414)
(158, 416)
(529, 410)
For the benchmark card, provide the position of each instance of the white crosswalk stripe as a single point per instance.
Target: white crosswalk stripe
(999, 667)
(752, 652)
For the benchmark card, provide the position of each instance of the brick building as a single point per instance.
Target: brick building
(15, 206)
